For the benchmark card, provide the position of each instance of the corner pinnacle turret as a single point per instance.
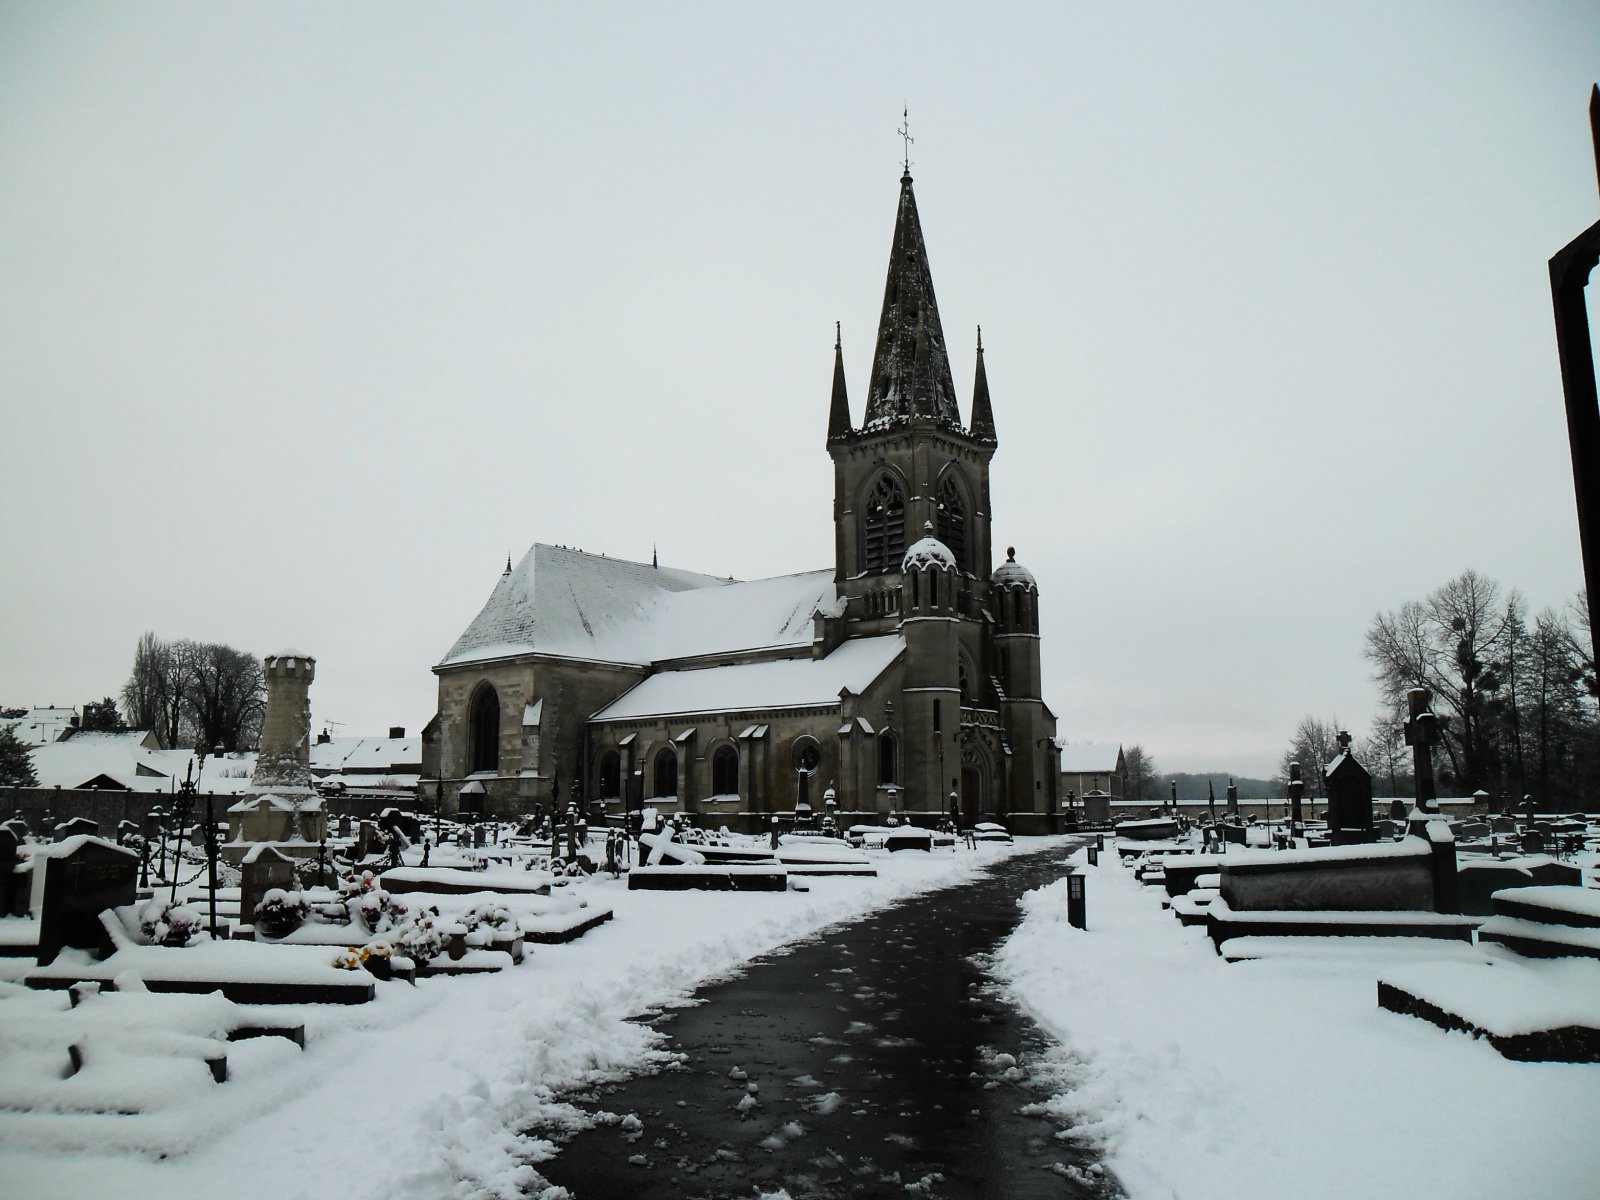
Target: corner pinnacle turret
(982, 414)
(910, 367)
(839, 408)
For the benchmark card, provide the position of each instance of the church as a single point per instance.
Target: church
(905, 679)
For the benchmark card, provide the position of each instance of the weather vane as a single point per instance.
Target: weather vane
(905, 135)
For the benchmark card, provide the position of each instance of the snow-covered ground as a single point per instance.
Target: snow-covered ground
(1206, 1080)
(422, 1092)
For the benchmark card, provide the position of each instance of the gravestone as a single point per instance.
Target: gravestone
(125, 830)
(265, 867)
(77, 887)
(1533, 842)
(345, 825)
(479, 834)
(77, 827)
(9, 879)
(1349, 798)
(1233, 798)
(366, 840)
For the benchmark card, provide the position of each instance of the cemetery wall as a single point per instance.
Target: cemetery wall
(43, 808)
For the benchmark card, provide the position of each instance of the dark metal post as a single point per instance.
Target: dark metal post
(1569, 277)
(1076, 903)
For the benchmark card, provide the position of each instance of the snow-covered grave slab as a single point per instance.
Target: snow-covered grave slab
(1553, 921)
(19, 937)
(246, 972)
(447, 880)
(729, 877)
(1223, 923)
(908, 837)
(822, 856)
(1535, 1012)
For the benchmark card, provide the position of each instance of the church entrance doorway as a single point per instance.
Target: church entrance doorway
(971, 793)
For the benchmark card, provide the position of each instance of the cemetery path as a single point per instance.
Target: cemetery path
(877, 1059)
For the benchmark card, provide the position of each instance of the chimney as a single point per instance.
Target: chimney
(397, 731)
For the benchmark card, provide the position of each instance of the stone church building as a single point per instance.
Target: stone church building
(905, 677)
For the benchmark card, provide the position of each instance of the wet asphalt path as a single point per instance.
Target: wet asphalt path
(874, 1060)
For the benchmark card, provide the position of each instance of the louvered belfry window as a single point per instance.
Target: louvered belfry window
(951, 527)
(884, 543)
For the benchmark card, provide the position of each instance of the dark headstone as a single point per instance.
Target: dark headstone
(345, 825)
(264, 868)
(479, 836)
(1349, 798)
(77, 827)
(78, 887)
(9, 879)
(1533, 842)
(366, 840)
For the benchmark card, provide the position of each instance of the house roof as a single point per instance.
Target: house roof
(366, 754)
(41, 726)
(758, 686)
(575, 605)
(1089, 758)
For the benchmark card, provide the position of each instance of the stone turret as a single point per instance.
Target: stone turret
(283, 765)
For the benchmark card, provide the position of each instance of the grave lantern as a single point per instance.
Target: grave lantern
(1075, 901)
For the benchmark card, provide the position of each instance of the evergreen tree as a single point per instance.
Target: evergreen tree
(16, 764)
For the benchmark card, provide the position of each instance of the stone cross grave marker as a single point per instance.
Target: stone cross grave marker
(1349, 798)
(77, 887)
(76, 827)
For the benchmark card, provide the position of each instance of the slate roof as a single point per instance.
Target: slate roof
(572, 604)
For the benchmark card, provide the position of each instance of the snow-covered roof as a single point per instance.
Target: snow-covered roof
(752, 687)
(1089, 758)
(576, 605)
(928, 552)
(87, 757)
(365, 754)
(41, 726)
(1012, 573)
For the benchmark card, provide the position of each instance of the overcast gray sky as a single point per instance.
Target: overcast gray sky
(313, 313)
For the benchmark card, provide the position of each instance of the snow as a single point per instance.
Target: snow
(928, 552)
(570, 604)
(1407, 847)
(438, 1077)
(1506, 996)
(1089, 758)
(1257, 1080)
(1558, 899)
(746, 687)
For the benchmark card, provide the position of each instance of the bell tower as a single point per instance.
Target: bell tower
(911, 463)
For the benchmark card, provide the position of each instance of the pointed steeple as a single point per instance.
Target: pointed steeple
(982, 426)
(910, 368)
(839, 409)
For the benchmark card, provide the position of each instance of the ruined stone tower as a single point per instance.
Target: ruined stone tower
(283, 764)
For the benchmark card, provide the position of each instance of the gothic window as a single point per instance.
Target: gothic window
(807, 757)
(888, 760)
(966, 683)
(933, 587)
(666, 774)
(483, 731)
(610, 775)
(883, 539)
(725, 772)
(951, 526)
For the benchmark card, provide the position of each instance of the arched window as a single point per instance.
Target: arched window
(933, 587)
(725, 772)
(951, 524)
(483, 731)
(888, 759)
(883, 539)
(610, 775)
(965, 682)
(666, 773)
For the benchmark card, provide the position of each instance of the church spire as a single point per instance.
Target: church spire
(982, 415)
(839, 409)
(910, 367)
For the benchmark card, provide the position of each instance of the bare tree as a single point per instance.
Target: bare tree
(1455, 644)
(1314, 745)
(1141, 773)
(1383, 753)
(153, 695)
(225, 693)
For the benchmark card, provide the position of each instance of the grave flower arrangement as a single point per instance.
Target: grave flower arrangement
(375, 910)
(280, 913)
(495, 916)
(168, 924)
(420, 938)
